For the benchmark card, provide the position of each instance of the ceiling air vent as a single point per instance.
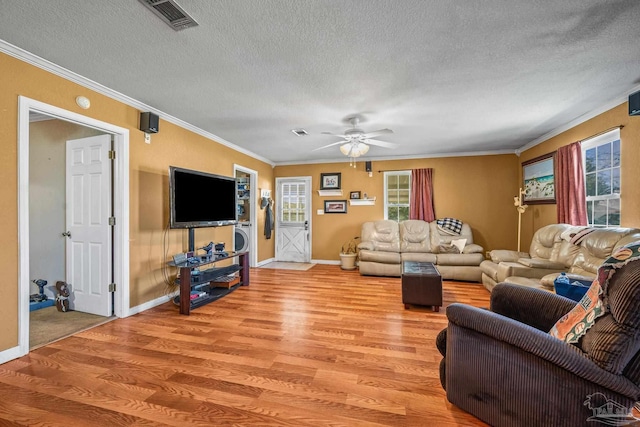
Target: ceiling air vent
(171, 13)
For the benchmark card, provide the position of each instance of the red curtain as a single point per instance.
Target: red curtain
(421, 203)
(570, 189)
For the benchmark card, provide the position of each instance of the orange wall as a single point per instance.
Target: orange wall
(478, 190)
(538, 216)
(475, 189)
(148, 183)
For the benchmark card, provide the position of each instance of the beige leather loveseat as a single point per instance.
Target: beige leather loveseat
(555, 248)
(386, 244)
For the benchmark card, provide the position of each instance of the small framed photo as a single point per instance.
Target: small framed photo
(539, 179)
(330, 181)
(335, 206)
(354, 195)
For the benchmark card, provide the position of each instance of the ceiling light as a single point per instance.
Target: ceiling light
(353, 150)
(300, 132)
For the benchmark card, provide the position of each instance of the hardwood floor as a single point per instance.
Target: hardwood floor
(322, 347)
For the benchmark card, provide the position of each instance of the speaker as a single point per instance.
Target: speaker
(367, 167)
(634, 104)
(149, 122)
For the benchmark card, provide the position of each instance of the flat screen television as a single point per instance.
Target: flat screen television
(200, 199)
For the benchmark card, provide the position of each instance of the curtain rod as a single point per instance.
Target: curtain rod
(394, 170)
(602, 133)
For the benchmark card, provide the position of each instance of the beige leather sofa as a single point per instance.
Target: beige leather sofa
(554, 249)
(385, 244)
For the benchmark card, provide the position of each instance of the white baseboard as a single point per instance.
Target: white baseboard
(150, 304)
(10, 354)
(266, 261)
(313, 261)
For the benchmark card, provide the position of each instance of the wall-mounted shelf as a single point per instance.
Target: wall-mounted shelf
(363, 202)
(325, 193)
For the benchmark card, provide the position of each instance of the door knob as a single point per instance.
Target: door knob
(66, 234)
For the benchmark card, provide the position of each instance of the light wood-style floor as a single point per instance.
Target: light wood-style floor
(322, 347)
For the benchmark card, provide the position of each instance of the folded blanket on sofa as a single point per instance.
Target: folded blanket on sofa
(450, 226)
(575, 235)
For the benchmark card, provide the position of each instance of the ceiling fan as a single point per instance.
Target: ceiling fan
(356, 141)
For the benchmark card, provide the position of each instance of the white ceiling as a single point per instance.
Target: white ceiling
(456, 76)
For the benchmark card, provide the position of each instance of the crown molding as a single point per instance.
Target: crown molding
(46, 65)
(411, 157)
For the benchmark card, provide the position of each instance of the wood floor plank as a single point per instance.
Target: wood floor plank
(322, 347)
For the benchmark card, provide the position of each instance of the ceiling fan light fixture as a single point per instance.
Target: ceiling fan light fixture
(354, 149)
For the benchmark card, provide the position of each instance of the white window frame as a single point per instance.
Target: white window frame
(595, 142)
(388, 205)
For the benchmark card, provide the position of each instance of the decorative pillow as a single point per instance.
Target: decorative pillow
(459, 243)
(448, 249)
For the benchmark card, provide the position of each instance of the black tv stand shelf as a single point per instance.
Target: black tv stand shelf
(189, 281)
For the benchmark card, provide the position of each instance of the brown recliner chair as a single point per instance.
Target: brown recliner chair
(502, 366)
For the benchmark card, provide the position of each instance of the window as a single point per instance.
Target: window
(397, 193)
(601, 163)
(292, 202)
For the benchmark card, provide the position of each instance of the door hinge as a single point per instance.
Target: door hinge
(112, 287)
(112, 154)
(112, 220)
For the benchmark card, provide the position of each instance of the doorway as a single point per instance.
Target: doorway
(293, 219)
(32, 265)
(246, 231)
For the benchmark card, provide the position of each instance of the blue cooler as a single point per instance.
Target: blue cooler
(574, 290)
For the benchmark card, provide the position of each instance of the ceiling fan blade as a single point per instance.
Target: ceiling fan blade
(327, 146)
(381, 143)
(334, 134)
(376, 133)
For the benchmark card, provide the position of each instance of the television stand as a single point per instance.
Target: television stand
(189, 281)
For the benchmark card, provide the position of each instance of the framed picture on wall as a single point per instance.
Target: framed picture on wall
(330, 181)
(539, 178)
(335, 206)
(354, 195)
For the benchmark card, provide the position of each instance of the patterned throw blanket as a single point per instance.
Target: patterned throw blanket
(594, 303)
(450, 226)
(575, 235)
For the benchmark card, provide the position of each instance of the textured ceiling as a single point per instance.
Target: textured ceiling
(458, 76)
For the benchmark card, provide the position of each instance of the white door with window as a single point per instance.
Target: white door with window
(293, 219)
(88, 208)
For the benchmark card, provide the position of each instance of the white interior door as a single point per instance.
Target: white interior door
(88, 208)
(293, 219)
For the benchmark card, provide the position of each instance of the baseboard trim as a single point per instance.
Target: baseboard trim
(10, 354)
(150, 304)
(325, 261)
(266, 261)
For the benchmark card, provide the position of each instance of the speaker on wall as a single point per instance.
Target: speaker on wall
(367, 167)
(149, 122)
(634, 104)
